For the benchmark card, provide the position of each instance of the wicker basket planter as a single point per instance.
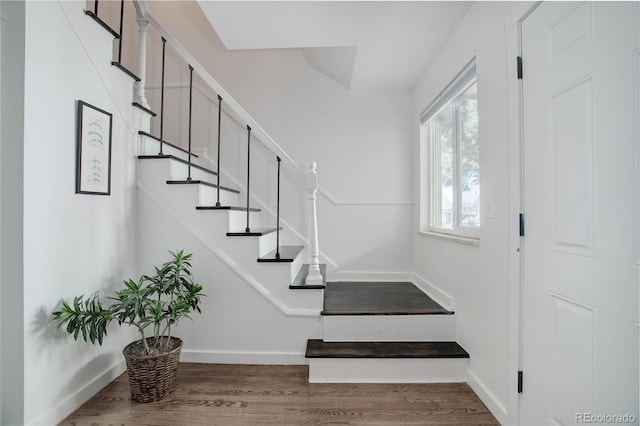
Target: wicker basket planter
(152, 377)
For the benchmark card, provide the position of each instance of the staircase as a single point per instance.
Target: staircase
(385, 332)
(371, 331)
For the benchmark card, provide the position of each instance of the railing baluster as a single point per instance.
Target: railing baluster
(164, 47)
(278, 214)
(314, 277)
(95, 8)
(248, 229)
(219, 123)
(139, 95)
(190, 102)
(120, 39)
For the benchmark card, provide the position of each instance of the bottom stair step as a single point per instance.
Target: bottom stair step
(386, 362)
(319, 349)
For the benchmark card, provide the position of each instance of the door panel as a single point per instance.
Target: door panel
(580, 351)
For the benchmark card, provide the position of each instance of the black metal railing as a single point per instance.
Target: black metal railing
(121, 29)
(248, 228)
(164, 49)
(190, 104)
(219, 126)
(278, 214)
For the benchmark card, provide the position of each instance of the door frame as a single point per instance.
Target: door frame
(513, 28)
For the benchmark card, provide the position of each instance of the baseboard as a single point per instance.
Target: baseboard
(436, 293)
(370, 276)
(248, 357)
(75, 400)
(494, 405)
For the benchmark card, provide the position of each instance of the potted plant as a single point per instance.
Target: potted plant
(153, 302)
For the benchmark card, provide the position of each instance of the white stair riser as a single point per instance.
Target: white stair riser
(150, 146)
(387, 370)
(267, 243)
(297, 263)
(180, 171)
(209, 196)
(238, 220)
(388, 328)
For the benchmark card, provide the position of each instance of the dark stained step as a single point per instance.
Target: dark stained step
(254, 232)
(173, 157)
(200, 182)
(287, 254)
(317, 348)
(144, 108)
(102, 23)
(149, 135)
(125, 70)
(378, 298)
(298, 282)
(234, 208)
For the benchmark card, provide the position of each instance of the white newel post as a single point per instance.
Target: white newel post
(138, 87)
(314, 277)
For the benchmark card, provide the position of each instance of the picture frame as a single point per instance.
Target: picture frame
(93, 151)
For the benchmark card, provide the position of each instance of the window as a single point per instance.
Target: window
(451, 167)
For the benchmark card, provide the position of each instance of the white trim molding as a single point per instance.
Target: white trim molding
(243, 357)
(453, 238)
(371, 276)
(76, 399)
(443, 298)
(497, 408)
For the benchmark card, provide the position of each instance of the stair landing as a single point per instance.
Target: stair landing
(378, 298)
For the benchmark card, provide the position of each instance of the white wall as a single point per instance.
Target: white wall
(477, 278)
(73, 243)
(361, 140)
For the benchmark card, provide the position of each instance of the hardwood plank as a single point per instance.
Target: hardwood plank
(224, 394)
(319, 349)
(378, 298)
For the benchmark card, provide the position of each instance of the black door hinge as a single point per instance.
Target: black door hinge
(520, 381)
(519, 67)
(522, 224)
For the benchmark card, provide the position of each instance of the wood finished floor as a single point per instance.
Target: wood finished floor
(223, 394)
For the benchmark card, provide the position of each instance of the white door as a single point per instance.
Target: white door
(580, 90)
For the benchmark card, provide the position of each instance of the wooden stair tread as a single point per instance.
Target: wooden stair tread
(378, 298)
(298, 282)
(254, 232)
(200, 182)
(234, 208)
(125, 70)
(317, 348)
(149, 135)
(287, 254)
(103, 24)
(144, 108)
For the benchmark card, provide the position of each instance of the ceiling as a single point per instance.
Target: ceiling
(379, 44)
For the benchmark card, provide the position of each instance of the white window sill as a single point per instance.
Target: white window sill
(453, 238)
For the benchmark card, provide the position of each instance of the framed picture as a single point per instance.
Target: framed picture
(93, 153)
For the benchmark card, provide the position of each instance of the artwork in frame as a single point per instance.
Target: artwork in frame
(93, 153)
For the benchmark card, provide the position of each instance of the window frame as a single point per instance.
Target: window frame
(429, 205)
